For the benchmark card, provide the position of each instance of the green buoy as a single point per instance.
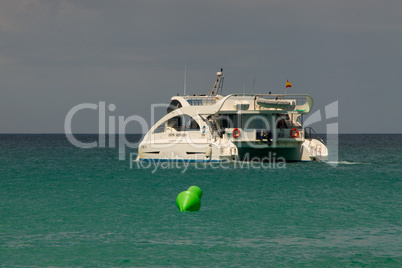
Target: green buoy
(189, 200)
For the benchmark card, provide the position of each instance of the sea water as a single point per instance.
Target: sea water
(66, 206)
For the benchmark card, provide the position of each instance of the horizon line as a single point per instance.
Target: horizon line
(56, 133)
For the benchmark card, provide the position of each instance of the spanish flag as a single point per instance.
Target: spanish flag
(288, 84)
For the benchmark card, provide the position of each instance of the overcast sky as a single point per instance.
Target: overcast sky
(55, 55)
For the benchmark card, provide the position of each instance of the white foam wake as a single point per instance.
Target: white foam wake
(344, 163)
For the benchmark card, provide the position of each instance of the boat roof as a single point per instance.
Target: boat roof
(249, 103)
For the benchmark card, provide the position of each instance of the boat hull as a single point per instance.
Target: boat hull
(305, 151)
(190, 153)
(273, 155)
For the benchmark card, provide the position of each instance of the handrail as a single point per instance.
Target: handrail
(309, 136)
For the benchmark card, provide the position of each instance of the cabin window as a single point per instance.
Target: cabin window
(255, 122)
(178, 123)
(160, 129)
(174, 104)
(175, 123)
(244, 121)
(189, 123)
(227, 120)
(283, 121)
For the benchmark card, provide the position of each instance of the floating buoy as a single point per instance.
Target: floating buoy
(189, 200)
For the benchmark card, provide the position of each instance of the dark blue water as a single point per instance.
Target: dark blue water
(66, 206)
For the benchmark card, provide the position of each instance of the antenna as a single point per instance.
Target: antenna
(218, 86)
(252, 90)
(185, 77)
(221, 82)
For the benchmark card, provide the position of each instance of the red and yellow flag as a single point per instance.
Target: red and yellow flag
(288, 84)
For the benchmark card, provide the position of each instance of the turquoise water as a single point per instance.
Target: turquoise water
(65, 206)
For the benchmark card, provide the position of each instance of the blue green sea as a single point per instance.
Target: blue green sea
(63, 206)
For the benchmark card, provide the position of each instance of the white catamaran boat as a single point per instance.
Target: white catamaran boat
(245, 127)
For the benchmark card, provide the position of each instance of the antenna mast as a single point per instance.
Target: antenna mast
(218, 86)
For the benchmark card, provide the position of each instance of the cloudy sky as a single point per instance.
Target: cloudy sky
(55, 55)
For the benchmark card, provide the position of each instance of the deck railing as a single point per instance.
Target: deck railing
(197, 101)
(309, 133)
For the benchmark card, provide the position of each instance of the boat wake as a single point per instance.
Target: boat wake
(345, 163)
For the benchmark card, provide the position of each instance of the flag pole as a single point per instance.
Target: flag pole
(288, 84)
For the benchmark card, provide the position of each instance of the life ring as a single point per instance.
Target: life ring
(236, 133)
(294, 133)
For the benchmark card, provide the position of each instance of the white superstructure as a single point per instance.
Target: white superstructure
(213, 127)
